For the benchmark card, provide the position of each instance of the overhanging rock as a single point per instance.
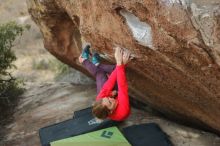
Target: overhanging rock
(176, 44)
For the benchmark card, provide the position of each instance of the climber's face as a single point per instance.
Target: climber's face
(110, 103)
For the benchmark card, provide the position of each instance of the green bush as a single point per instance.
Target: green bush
(40, 64)
(9, 86)
(60, 69)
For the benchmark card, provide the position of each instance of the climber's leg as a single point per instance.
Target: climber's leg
(101, 78)
(90, 67)
(107, 68)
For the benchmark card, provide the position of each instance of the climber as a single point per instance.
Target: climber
(109, 102)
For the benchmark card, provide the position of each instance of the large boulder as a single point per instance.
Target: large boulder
(176, 44)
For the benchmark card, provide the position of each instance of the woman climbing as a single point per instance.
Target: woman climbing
(109, 103)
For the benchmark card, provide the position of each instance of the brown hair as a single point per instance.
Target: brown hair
(100, 111)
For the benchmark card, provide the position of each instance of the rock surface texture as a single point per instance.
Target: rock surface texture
(176, 44)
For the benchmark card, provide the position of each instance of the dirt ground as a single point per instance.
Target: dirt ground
(44, 104)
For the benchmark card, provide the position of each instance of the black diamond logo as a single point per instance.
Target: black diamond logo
(107, 134)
